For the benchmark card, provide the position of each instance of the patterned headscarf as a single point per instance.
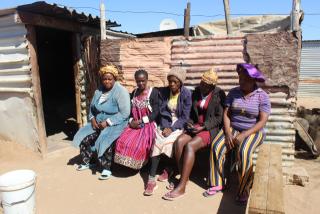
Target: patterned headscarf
(109, 69)
(210, 77)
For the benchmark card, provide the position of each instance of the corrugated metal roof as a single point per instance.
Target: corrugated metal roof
(53, 10)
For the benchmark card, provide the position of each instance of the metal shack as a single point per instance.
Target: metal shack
(47, 57)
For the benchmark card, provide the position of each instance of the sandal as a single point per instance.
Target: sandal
(170, 186)
(82, 167)
(169, 197)
(212, 191)
(105, 175)
(166, 174)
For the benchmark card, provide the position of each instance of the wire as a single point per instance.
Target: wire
(179, 14)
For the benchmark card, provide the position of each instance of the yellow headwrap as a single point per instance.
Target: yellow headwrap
(210, 77)
(109, 69)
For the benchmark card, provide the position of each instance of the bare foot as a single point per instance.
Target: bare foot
(176, 193)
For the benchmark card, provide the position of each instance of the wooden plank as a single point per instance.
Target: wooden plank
(275, 202)
(36, 87)
(76, 57)
(258, 197)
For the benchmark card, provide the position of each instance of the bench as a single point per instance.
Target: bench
(267, 190)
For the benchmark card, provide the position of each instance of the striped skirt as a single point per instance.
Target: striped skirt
(243, 159)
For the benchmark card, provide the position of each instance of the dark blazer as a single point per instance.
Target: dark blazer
(214, 115)
(182, 111)
(154, 102)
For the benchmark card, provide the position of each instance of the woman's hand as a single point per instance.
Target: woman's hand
(197, 129)
(94, 123)
(166, 132)
(229, 140)
(102, 125)
(134, 124)
(239, 138)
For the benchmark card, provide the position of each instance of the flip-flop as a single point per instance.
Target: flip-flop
(82, 167)
(212, 191)
(170, 186)
(169, 197)
(105, 175)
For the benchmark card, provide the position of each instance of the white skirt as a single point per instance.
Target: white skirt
(164, 145)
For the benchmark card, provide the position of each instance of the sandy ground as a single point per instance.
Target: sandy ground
(62, 189)
(308, 102)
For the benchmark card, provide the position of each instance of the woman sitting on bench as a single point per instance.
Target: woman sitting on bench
(205, 122)
(246, 113)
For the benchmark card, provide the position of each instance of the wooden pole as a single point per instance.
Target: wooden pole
(295, 15)
(102, 21)
(36, 87)
(187, 20)
(227, 16)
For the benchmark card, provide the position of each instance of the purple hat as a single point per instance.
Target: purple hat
(252, 71)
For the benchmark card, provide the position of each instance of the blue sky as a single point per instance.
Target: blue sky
(147, 22)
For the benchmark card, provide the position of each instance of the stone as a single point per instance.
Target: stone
(296, 176)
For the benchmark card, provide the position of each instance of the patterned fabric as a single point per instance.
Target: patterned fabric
(109, 69)
(87, 147)
(244, 163)
(210, 77)
(245, 110)
(134, 145)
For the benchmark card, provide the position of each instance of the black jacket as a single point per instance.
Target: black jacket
(214, 115)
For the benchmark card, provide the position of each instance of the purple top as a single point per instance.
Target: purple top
(245, 111)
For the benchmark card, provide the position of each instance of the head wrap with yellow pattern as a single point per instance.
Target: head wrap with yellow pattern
(210, 77)
(109, 69)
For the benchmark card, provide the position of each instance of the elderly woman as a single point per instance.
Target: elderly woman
(246, 113)
(174, 113)
(134, 145)
(109, 114)
(205, 122)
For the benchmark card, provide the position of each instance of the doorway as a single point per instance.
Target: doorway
(55, 60)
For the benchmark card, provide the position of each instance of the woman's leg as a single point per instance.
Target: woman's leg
(217, 158)
(86, 148)
(190, 150)
(152, 184)
(179, 144)
(154, 166)
(244, 152)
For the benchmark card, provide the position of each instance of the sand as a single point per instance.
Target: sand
(62, 189)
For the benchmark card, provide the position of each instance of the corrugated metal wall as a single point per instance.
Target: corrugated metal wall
(14, 57)
(200, 54)
(309, 80)
(16, 103)
(196, 55)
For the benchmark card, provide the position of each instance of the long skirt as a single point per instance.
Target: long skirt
(104, 140)
(164, 145)
(243, 152)
(134, 145)
(88, 153)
